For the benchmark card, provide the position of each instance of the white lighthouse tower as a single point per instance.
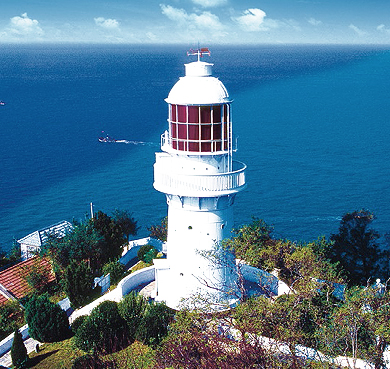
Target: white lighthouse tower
(197, 173)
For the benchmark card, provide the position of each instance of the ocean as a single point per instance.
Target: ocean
(312, 124)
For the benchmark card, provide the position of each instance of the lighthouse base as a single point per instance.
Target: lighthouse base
(212, 293)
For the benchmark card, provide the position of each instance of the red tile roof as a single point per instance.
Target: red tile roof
(3, 299)
(12, 279)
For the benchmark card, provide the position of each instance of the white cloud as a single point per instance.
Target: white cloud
(314, 22)
(106, 23)
(382, 28)
(205, 20)
(254, 19)
(357, 30)
(151, 36)
(25, 26)
(209, 3)
(174, 14)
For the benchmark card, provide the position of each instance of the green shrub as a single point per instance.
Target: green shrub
(103, 331)
(77, 322)
(18, 351)
(154, 325)
(36, 277)
(132, 308)
(11, 317)
(77, 283)
(116, 271)
(47, 322)
(92, 362)
(147, 253)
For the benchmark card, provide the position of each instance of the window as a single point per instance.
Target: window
(202, 128)
(193, 114)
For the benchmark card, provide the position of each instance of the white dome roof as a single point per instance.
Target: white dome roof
(198, 87)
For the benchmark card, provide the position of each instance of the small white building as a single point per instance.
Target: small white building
(200, 179)
(32, 243)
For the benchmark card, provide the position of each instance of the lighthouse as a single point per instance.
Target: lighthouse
(200, 179)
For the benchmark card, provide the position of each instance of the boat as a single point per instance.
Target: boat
(106, 139)
(2, 103)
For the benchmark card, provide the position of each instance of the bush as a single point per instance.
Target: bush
(154, 325)
(116, 271)
(18, 351)
(91, 362)
(103, 331)
(132, 309)
(77, 323)
(147, 253)
(77, 283)
(11, 317)
(36, 277)
(47, 321)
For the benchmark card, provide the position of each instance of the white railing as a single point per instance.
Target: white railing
(199, 185)
(166, 145)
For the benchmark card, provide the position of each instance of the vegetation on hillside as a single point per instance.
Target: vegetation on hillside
(261, 332)
(86, 251)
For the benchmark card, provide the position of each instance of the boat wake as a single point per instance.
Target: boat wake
(108, 139)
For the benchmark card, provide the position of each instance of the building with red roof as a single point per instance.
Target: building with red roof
(13, 284)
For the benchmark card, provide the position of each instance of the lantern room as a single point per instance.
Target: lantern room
(199, 112)
(199, 128)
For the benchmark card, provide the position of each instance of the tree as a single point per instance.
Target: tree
(359, 327)
(47, 321)
(77, 283)
(355, 247)
(249, 240)
(79, 244)
(126, 221)
(147, 253)
(132, 309)
(19, 354)
(289, 320)
(15, 252)
(159, 231)
(103, 331)
(110, 245)
(197, 340)
(116, 271)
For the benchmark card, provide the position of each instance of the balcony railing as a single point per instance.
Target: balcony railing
(199, 185)
(166, 145)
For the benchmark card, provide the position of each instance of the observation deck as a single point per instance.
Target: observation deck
(197, 185)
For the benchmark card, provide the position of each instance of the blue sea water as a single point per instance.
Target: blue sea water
(312, 125)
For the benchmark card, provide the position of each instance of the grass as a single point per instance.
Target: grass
(57, 355)
(60, 355)
(140, 265)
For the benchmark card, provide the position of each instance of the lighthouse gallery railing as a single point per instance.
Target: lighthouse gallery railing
(198, 184)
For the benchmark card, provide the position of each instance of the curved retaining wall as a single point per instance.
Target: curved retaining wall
(125, 286)
(132, 281)
(134, 246)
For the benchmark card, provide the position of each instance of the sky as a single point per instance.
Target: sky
(195, 21)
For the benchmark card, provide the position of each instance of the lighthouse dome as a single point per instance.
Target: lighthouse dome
(198, 87)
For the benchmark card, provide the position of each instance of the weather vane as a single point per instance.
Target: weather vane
(199, 52)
